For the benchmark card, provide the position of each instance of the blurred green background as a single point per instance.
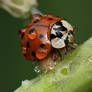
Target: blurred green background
(13, 67)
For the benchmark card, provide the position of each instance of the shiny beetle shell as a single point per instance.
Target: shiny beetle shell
(43, 34)
(35, 44)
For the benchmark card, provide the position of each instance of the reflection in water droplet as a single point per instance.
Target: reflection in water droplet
(55, 63)
(37, 69)
(51, 67)
(65, 71)
(90, 58)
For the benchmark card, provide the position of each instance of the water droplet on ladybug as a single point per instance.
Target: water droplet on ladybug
(37, 69)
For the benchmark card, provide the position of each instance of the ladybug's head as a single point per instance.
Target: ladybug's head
(62, 33)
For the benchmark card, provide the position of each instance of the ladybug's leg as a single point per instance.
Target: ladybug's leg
(55, 54)
(66, 49)
(72, 46)
(63, 51)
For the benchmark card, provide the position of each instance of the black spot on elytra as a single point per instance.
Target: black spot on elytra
(42, 45)
(50, 18)
(31, 31)
(36, 21)
(52, 36)
(33, 54)
(28, 44)
(41, 36)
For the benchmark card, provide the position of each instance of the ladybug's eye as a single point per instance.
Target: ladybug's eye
(69, 33)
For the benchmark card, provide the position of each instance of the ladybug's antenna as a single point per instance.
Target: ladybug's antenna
(36, 11)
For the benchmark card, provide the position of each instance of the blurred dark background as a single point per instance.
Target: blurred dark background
(13, 67)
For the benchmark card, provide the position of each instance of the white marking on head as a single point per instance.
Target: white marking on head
(59, 42)
(52, 30)
(67, 25)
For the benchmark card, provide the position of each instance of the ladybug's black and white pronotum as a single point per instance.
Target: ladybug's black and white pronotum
(62, 33)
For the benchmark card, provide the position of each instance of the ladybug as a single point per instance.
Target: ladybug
(44, 34)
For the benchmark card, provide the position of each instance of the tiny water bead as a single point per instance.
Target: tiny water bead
(65, 71)
(37, 69)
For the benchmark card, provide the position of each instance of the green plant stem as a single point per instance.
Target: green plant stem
(73, 74)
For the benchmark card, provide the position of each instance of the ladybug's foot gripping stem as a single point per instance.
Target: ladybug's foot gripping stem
(54, 55)
(63, 51)
(51, 61)
(68, 48)
(48, 63)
